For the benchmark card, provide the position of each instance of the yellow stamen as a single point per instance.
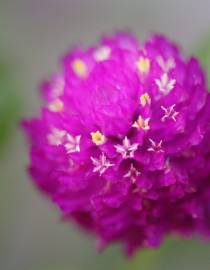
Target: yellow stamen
(143, 65)
(56, 105)
(79, 68)
(98, 138)
(142, 123)
(145, 99)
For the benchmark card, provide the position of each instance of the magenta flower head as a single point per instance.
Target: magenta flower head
(122, 141)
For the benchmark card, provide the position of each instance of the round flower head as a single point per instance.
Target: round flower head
(121, 144)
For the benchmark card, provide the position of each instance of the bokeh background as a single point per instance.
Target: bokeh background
(33, 35)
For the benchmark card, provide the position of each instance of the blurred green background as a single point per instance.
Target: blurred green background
(33, 35)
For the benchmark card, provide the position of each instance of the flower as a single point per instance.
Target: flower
(126, 149)
(145, 99)
(155, 147)
(56, 105)
(166, 65)
(56, 136)
(122, 144)
(169, 113)
(79, 67)
(132, 173)
(165, 83)
(142, 123)
(73, 143)
(101, 164)
(143, 65)
(102, 53)
(98, 138)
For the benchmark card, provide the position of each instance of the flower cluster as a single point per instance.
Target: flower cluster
(122, 146)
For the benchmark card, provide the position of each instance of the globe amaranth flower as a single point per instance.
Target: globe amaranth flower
(122, 142)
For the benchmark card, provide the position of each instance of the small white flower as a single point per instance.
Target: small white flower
(166, 65)
(56, 136)
(155, 147)
(169, 113)
(126, 149)
(73, 143)
(102, 53)
(101, 164)
(141, 123)
(132, 173)
(56, 105)
(165, 84)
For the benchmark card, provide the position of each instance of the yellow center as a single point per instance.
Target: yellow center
(145, 99)
(98, 138)
(143, 65)
(79, 68)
